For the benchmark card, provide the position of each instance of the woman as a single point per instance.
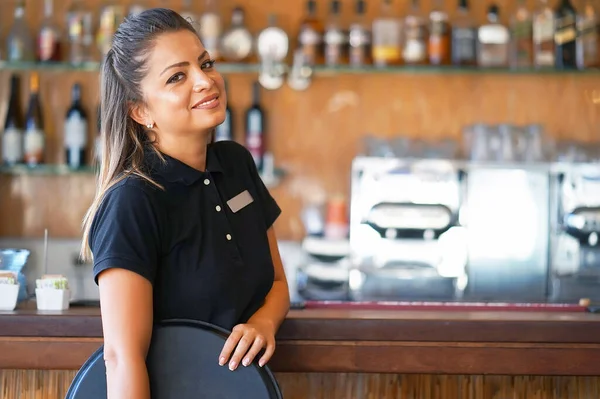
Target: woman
(180, 227)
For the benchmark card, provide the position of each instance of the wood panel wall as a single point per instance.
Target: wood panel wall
(53, 384)
(314, 134)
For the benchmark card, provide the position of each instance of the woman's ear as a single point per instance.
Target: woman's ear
(140, 114)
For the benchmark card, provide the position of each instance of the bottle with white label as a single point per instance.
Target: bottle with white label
(34, 141)
(12, 137)
(414, 50)
(19, 43)
(255, 125)
(76, 126)
(211, 28)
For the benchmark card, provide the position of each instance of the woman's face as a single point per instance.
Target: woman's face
(183, 93)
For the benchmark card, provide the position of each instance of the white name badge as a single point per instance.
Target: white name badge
(240, 201)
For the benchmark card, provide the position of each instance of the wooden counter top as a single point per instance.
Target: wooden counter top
(322, 340)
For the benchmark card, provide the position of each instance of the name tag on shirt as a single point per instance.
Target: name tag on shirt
(240, 201)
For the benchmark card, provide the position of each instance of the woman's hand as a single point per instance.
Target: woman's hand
(248, 340)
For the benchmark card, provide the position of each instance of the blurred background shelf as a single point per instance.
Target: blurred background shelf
(45, 170)
(270, 180)
(95, 67)
(319, 70)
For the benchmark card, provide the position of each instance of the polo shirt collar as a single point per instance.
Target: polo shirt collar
(175, 171)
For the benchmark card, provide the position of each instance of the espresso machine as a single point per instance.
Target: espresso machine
(575, 255)
(405, 239)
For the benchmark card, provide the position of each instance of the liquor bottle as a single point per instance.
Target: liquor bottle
(335, 38)
(225, 130)
(565, 35)
(49, 41)
(112, 14)
(387, 36)
(255, 128)
(75, 131)
(19, 41)
(79, 28)
(237, 41)
(414, 50)
(521, 44)
(34, 139)
(464, 37)
(439, 36)
(310, 36)
(359, 38)
(543, 36)
(12, 138)
(493, 41)
(587, 38)
(210, 28)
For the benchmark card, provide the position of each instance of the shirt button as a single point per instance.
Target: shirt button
(218, 208)
(228, 236)
(206, 182)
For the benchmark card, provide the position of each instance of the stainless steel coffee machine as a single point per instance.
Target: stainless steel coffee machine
(448, 230)
(575, 255)
(405, 239)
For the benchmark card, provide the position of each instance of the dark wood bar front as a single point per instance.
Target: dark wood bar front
(334, 354)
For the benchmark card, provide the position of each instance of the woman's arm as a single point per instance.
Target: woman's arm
(277, 302)
(126, 304)
(259, 332)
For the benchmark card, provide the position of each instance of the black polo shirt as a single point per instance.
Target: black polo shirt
(207, 257)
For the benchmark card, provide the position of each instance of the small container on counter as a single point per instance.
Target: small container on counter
(52, 293)
(9, 291)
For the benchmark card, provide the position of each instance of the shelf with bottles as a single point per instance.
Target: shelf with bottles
(531, 38)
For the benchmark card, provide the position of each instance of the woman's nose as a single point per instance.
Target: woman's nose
(202, 81)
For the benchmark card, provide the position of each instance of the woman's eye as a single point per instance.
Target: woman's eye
(175, 78)
(208, 64)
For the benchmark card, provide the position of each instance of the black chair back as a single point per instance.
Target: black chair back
(182, 363)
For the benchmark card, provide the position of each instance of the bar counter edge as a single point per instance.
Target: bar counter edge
(352, 341)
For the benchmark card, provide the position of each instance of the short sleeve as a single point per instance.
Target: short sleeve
(125, 232)
(271, 209)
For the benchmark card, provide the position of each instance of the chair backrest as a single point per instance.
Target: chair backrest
(182, 363)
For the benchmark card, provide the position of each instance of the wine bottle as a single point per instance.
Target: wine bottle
(565, 35)
(255, 128)
(34, 140)
(225, 130)
(12, 139)
(76, 131)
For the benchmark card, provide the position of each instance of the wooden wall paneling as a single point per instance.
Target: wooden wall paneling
(53, 384)
(314, 134)
(30, 204)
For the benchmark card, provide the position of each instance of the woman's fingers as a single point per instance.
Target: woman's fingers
(230, 345)
(259, 343)
(267, 355)
(242, 348)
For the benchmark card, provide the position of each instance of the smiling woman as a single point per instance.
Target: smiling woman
(180, 228)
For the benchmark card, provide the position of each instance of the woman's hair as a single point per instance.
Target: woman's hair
(123, 69)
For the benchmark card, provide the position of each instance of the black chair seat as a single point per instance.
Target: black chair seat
(182, 363)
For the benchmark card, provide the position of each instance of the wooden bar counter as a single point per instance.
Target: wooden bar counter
(331, 354)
